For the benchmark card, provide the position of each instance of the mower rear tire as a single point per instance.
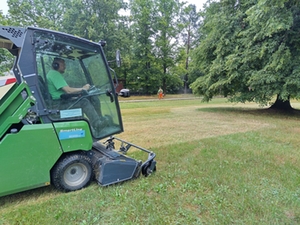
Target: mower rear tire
(72, 172)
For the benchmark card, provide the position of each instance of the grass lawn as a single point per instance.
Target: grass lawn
(217, 163)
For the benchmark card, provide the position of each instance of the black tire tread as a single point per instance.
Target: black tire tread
(60, 166)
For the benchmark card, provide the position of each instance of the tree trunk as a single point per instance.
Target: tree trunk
(282, 105)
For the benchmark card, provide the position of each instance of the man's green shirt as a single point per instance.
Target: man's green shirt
(55, 84)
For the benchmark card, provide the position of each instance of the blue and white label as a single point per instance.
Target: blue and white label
(70, 113)
(70, 134)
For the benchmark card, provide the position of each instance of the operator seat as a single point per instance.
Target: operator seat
(44, 90)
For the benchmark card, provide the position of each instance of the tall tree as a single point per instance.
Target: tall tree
(274, 28)
(166, 35)
(191, 23)
(144, 72)
(95, 20)
(250, 51)
(125, 45)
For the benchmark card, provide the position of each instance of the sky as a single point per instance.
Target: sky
(198, 3)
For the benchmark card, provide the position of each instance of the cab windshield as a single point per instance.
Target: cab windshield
(83, 63)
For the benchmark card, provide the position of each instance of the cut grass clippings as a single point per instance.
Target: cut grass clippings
(217, 163)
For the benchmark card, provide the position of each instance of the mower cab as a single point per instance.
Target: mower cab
(55, 137)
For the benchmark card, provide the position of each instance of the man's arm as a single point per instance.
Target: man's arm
(71, 90)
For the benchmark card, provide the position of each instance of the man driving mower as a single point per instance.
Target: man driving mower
(58, 88)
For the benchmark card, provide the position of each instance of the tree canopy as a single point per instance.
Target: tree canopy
(249, 51)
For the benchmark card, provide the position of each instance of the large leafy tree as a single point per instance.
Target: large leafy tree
(125, 45)
(156, 49)
(95, 20)
(250, 51)
(166, 29)
(41, 13)
(191, 21)
(145, 73)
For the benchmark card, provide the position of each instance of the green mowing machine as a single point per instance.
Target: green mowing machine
(42, 142)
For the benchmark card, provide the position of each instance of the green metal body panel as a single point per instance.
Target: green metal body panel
(27, 157)
(74, 135)
(28, 153)
(14, 106)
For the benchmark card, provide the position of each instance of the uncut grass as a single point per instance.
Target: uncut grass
(220, 175)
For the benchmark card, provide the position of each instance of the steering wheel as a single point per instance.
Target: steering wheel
(93, 89)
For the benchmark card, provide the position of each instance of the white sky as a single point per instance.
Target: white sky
(198, 3)
(3, 6)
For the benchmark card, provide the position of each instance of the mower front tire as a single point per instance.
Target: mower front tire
(72, 172)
